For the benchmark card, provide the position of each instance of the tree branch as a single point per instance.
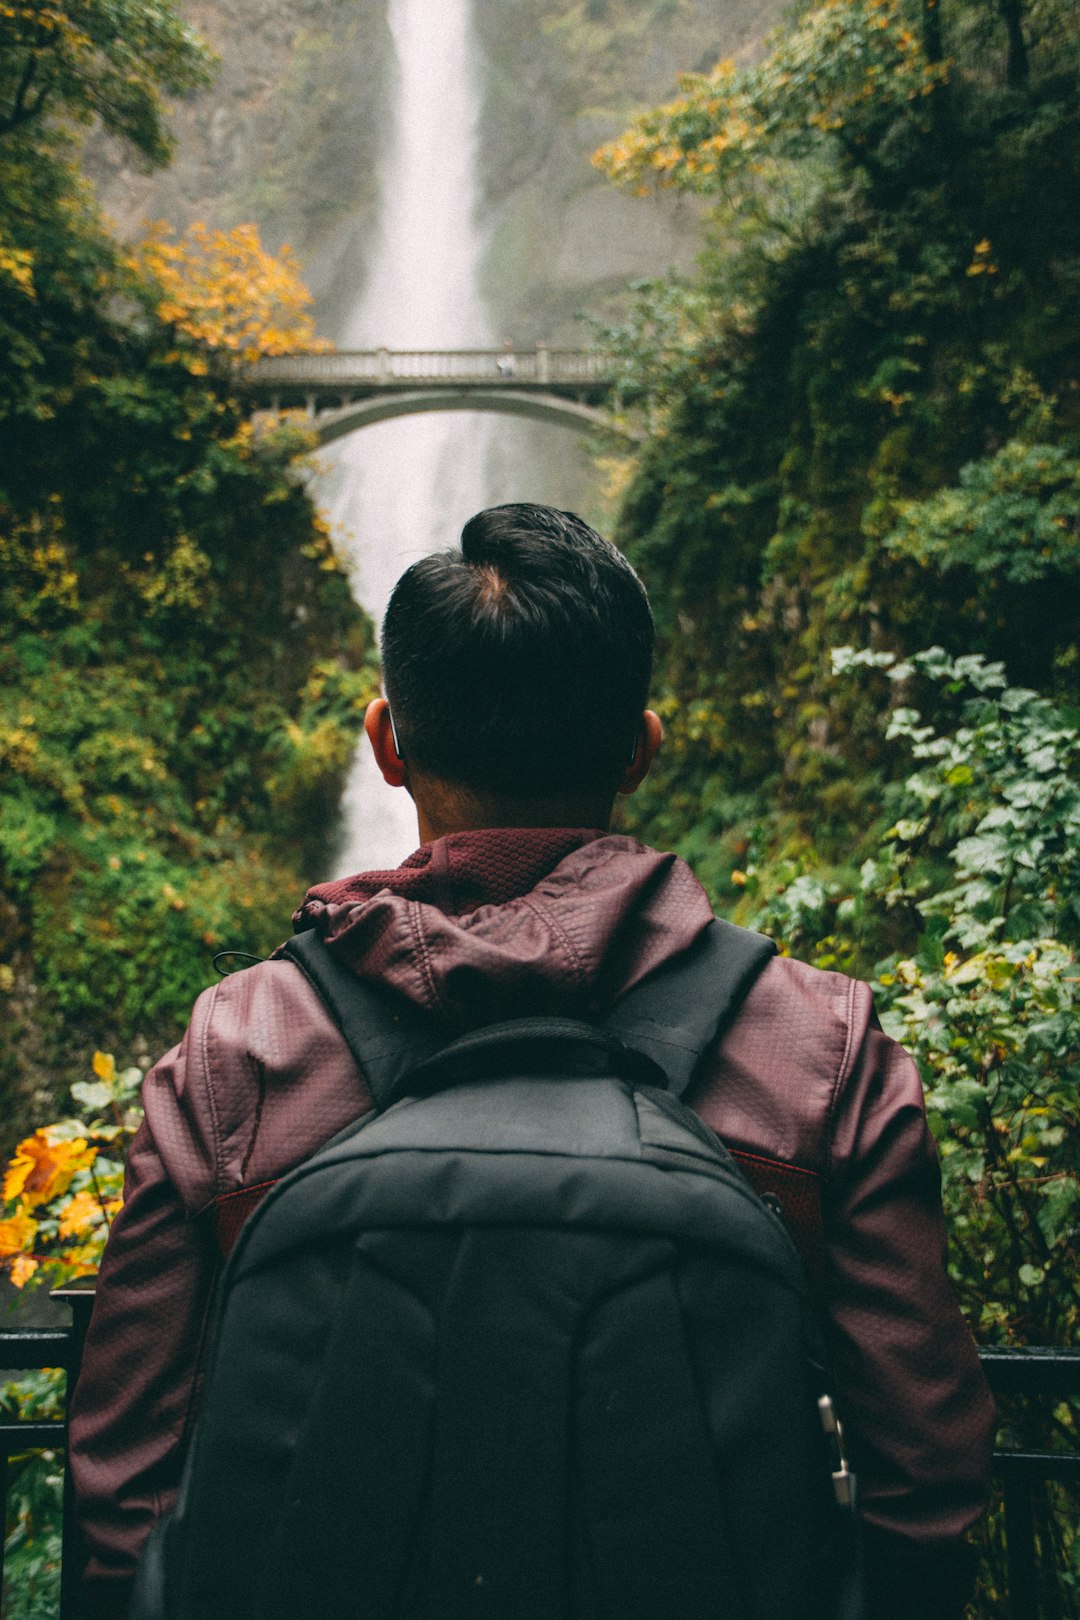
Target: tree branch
(1016, 70)
(22, 109)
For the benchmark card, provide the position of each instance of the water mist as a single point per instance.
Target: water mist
(405, 487)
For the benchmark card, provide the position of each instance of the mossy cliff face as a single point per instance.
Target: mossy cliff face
(290, 135)
(294, 129)
(560, 77)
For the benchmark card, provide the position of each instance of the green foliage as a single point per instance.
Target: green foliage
(1015, 514)
(182, 669)
(112, 60)
(986, 851)
(983, 854)
(64, 1183)
(995, 1034)
(861, 416)
(144, 831)
(663, 322)
(164, 765)
(34, 1503)
(862, 427)
(840, 73)
(60, 1192)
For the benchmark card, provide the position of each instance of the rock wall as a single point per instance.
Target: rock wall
(291, 135)
(563, 76)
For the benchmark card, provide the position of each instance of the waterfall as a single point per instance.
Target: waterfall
(405, 487)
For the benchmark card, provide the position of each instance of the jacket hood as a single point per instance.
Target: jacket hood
(479, 926)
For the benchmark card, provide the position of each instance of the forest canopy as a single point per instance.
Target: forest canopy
(182, 668)
(108, 60)
(858, 512)
(865, 410)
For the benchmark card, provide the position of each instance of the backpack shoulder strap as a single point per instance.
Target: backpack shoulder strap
(679, 1012)
(386, 1034)
(673, 1017)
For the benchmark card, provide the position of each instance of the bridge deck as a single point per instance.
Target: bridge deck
(355, 373)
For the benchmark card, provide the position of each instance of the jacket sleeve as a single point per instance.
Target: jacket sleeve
(260, 1080)
(919, 1415)
(135, 1393)
(806, 1077)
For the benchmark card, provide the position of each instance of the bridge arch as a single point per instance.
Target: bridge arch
(331, 424)
(343, 391)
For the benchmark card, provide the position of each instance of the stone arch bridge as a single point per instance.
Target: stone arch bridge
(347, 390)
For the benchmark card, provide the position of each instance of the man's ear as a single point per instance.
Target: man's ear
(380, 731)
(650, 736)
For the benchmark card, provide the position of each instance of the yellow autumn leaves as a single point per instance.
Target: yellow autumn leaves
(982, 260)
(17, 268)
(42, 1168)
(224, 292)
(41, 1174)
(61, 1190)
(221, 292)
(837, 69)
(16, 1237)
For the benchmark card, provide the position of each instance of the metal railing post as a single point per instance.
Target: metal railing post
(1020, 1550)
(72, 1557)
(3, 1505)
(33, 1348)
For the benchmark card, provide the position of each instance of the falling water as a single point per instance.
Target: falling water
(403, 488)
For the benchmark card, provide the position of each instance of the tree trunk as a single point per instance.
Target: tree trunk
(1016, 70)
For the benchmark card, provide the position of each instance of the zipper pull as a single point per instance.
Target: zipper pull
(844, 1483)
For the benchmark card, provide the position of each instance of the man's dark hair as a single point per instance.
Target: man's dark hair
(520, 664)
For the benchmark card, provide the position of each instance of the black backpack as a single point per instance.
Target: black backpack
(522, 1345)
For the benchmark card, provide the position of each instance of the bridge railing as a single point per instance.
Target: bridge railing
(1049, 1376)
(29, 1351)
(393, 368)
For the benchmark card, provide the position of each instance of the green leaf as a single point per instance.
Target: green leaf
(92, 1093)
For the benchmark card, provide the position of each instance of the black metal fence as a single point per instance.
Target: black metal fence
(26, 1351)
(1025, 1465)
(1038, 1375)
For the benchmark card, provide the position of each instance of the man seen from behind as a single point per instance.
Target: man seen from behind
(517, 672)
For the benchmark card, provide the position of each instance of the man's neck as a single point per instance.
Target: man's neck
(443, 808)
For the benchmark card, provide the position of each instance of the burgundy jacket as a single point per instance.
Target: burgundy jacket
(818, 1103)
